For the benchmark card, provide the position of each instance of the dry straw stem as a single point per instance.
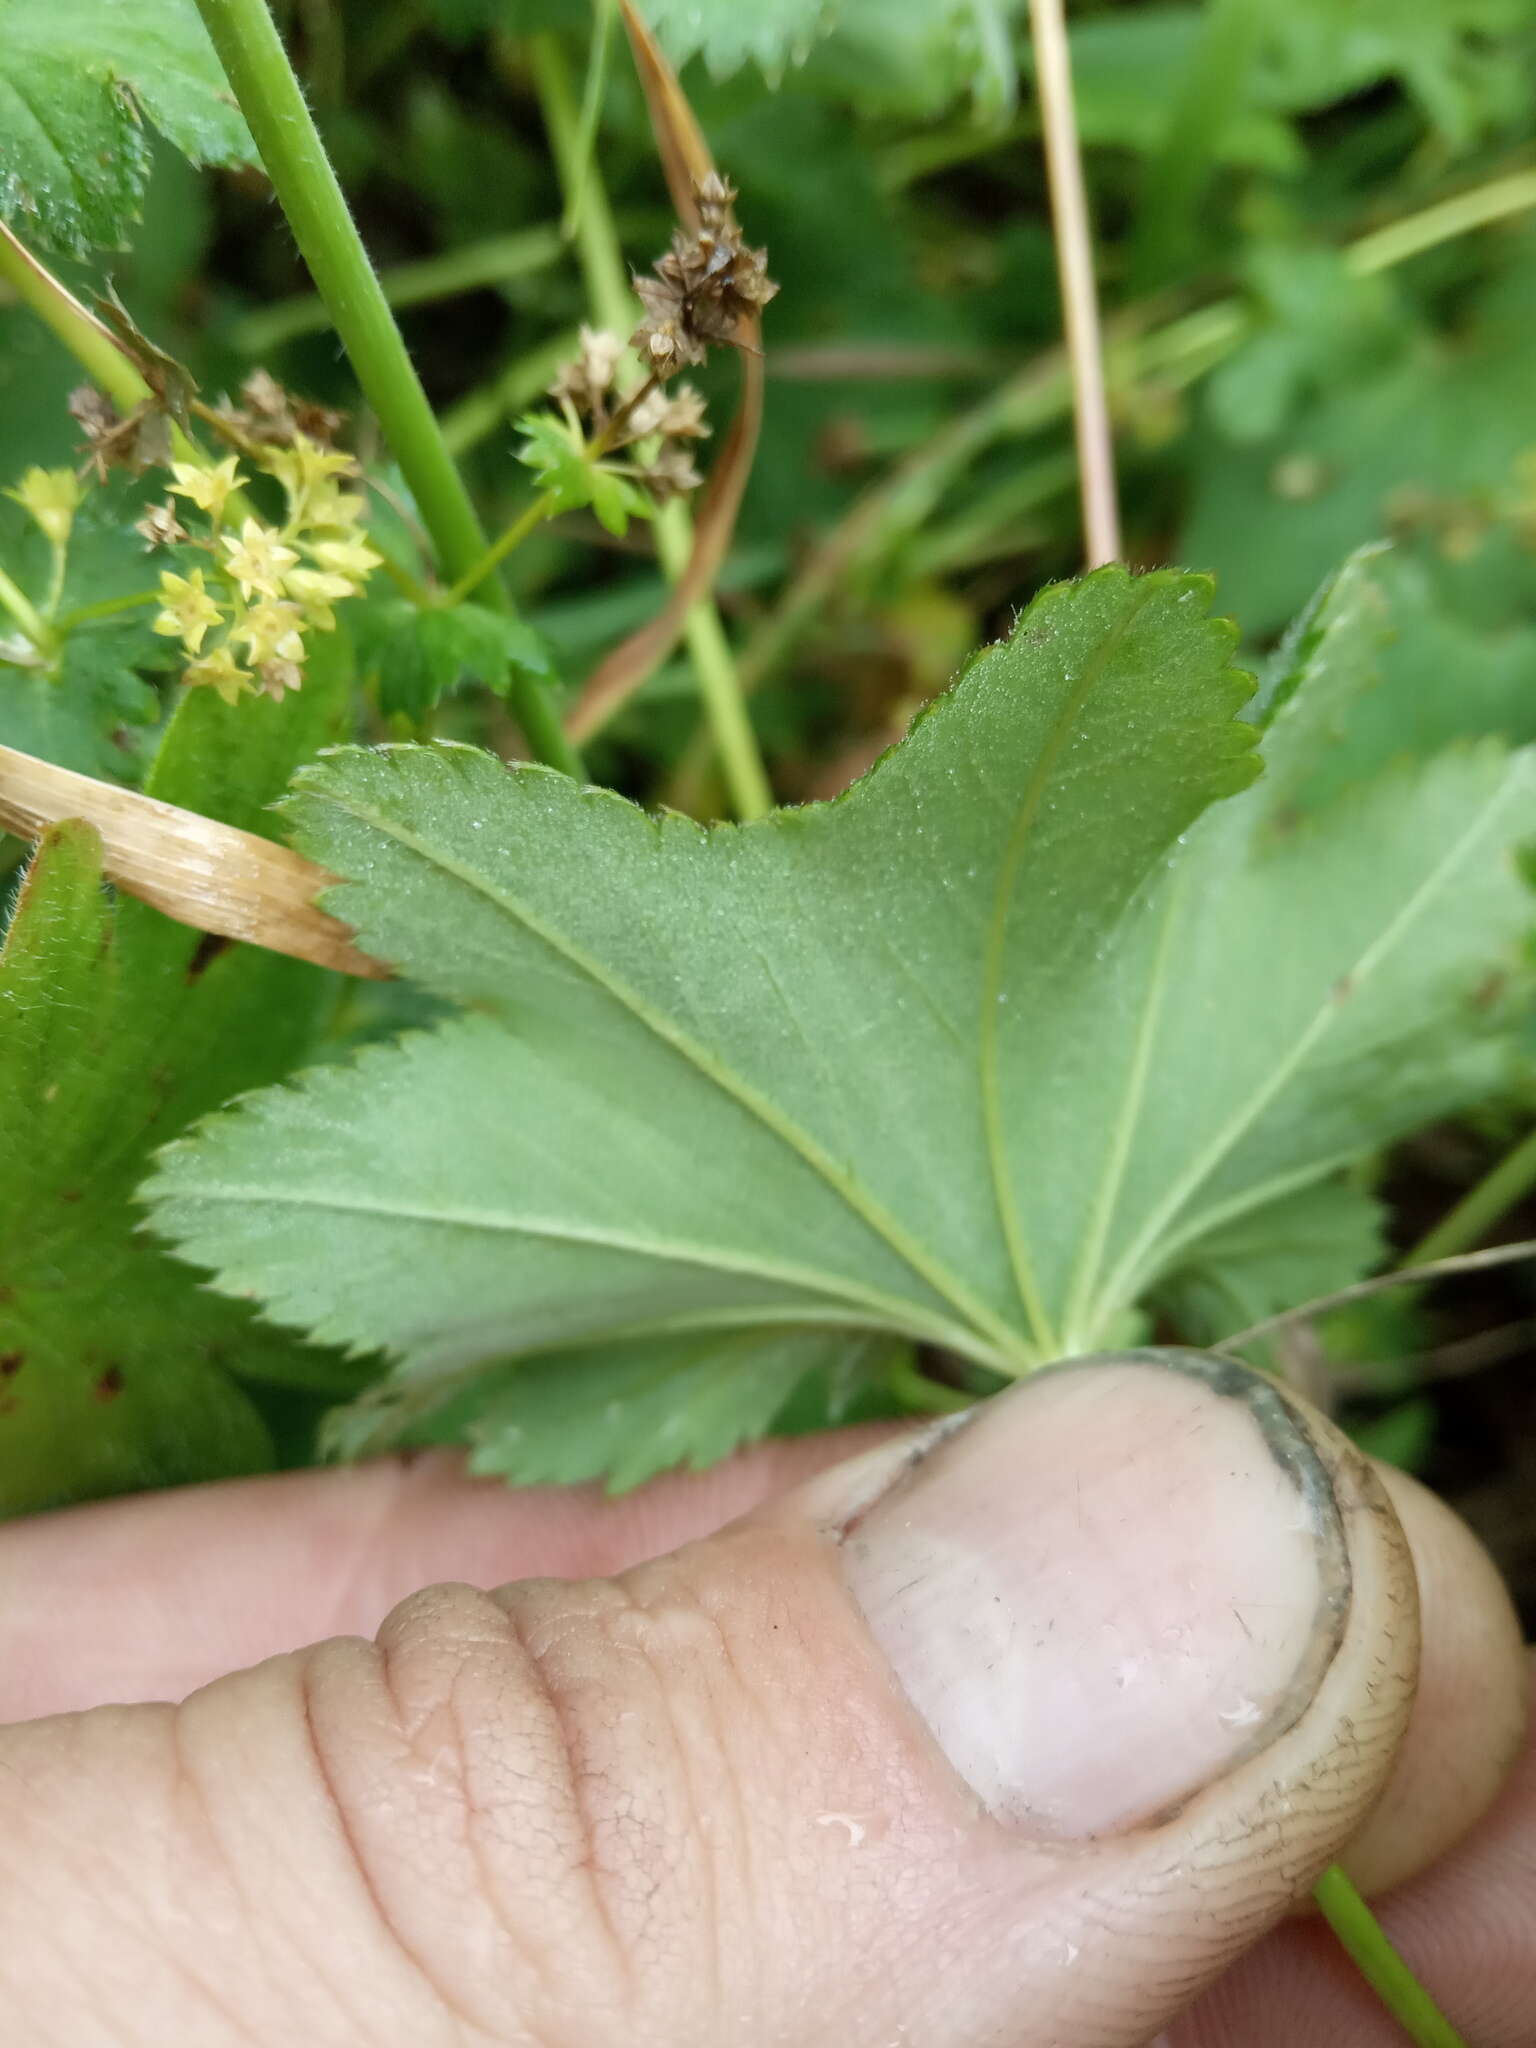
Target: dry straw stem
(1079, 294)
(213, 877)
(686, 162)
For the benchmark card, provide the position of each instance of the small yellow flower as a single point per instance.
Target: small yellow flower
(208, 485)
(350, 558)
(219, 671)
(329, 507)
(315, 591)
(270, 632)
(52, 496)
(307, 472)
(258, 560)
(278, 676)
(189, 610)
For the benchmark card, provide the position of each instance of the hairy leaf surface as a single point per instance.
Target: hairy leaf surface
(119, 1027)
(79, 80)
(977, 1054)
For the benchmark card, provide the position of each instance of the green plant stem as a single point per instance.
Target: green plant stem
(481, 411)
(26, 615)
(1480, 1208)
(478, 264)
(922, 1395)
(88, 341)
(531, 516)
(264, 84)
(604, 14)
(613, 306)
(1360, 1935)
(105, 608)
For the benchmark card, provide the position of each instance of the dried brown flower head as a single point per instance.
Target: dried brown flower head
(669, 474)
(270, 416)
(160, 526)
(703, 289)
(135, 441)
(587, 380)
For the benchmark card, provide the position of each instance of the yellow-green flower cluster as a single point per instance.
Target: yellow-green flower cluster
(243, 620)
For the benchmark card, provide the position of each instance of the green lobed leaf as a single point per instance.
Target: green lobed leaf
(626, 1412)
(413, 655)
(120, 1028)
(1290, 1251)
(78, 81)
(979, 1054)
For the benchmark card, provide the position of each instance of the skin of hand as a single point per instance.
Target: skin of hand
(1028, 1730)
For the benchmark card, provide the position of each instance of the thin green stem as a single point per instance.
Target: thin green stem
(26, 615)
(596, 238)
(1480, 1208)
(476, 265)
(613, 306)
(922, 1395)
(604, 14)
(105, 608)
(92, 344)
(1478, 208)
(263, 81)
(481, 411)
(534, 515)
(1360, 1935)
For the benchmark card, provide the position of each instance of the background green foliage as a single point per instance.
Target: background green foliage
(1281, 399)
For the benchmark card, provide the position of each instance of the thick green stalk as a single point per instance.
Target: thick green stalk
(613, 306)
(1361, 1937)
(258, 70)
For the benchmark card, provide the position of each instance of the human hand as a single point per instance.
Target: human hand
(1022, 1735)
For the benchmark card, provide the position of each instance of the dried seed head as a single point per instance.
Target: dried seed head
(587, 380)
(704, 288)
(669, 474)
(160, 526)
(136, 441)
(271, 416)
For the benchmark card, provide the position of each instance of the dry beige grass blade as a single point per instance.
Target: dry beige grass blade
(210, 876)
(686, 162)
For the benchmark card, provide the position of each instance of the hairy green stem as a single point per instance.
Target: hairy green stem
(1360, 1935)
(613, 306)
(1480, 1208)
(258, 70)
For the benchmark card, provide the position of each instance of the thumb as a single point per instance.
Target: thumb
(1016, 1732)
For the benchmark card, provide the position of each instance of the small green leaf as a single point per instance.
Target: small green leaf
(557, 455)
(78, 80)
(414, 655)
(1273, 1258)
